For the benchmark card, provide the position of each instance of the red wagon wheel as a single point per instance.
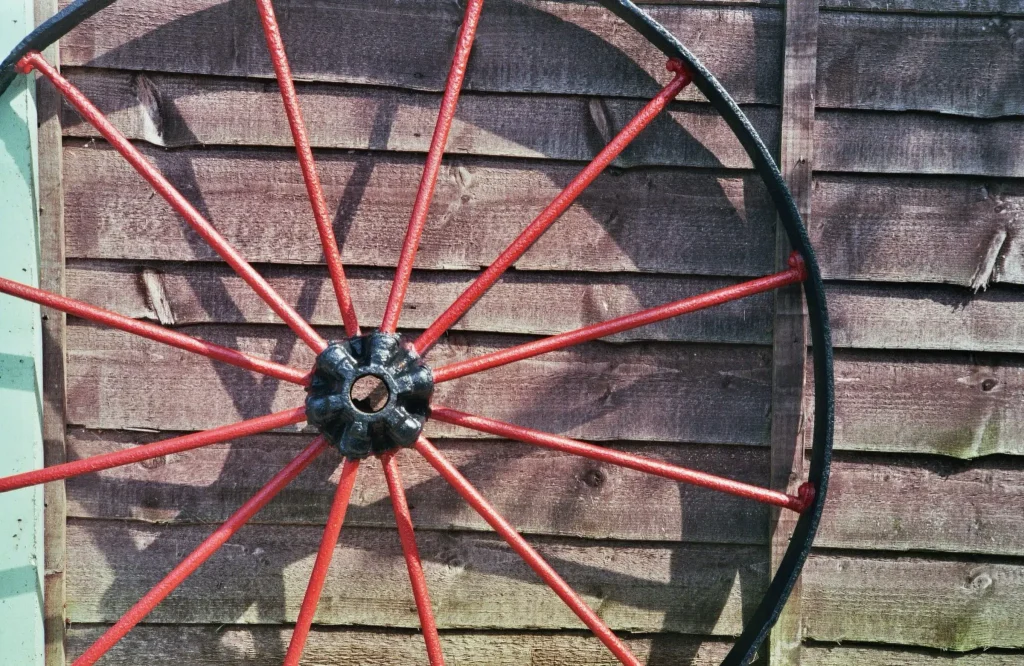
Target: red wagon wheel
(394, 415)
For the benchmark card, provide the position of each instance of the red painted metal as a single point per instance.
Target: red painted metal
(154, 450)
(403, 518)
(179, 203)
(309, 172)
(335, 519)
(554, 210)
(202, 553)
(639, 463)
(152, 332)
(428, 182)
(447, 470)
(627, 322)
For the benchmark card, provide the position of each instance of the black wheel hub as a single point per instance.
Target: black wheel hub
(390, 416)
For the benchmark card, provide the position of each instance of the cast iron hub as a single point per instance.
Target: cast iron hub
(361, 426)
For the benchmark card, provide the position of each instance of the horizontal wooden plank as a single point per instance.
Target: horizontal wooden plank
(875, 503)
(917, 143)
(866, 60)
(639, 391)
(542, 492)
(260, 577)
(959, 405)
(863, 316)
(534, 46)
(962, 231)
(905, 229)
(903, 62)
(888, 503)
(843, 655)
(165, 645)
(524, 302)
(947, 604)
(950, 404)
(176, 111)
(914, 317)
(982, 7)
(723, 223)
(475, 581)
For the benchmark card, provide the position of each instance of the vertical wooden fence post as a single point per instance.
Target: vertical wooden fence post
(789, 338)
(51, 278)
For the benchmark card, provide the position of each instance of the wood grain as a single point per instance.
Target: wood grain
(949, 604)
(475, 581)
(882, 61)
(958, 605)
(542, 492)
(961, 231)
(821, 655)
(789, 330)
(49, 168)
(877, 503)
(265, 646)
(970, 66)
(915, 317)
(723, 224)
(524, 302)
(951, 404)
(532, 46)
(958, 405)
(642, 391)
(917, 204)
(967, 7)
(864, 316)
(918, 143)
(177, 111)
(918, 504)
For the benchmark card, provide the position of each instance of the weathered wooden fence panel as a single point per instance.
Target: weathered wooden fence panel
(917, 208)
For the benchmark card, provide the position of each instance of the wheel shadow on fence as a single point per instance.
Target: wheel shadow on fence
(253, 396)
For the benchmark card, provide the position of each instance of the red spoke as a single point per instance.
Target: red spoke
(406, 534)
(526, 551)
(202, 553)
(153, 332)
(309, 171)
(795, 274)
(154, 450)
(179, 203)
(554, 210)
(335, 519)
(432, 168)
(639, 463)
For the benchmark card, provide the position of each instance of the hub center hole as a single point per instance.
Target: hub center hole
(369, 394)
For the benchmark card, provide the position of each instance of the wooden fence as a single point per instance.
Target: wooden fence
(911, 113)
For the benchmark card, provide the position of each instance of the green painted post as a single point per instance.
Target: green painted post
(21, 441)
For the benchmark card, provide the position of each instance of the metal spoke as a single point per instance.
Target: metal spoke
(796, 273)
(154, 450)
(447, 470)
(797, 503)
(178, 202)
(554, 210)
(202, 553)
(403, 518)
(418, 219)
(153, 332)
(335, 519)
(309, 172)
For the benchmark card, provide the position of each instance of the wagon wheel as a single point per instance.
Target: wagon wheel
(392, 417)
